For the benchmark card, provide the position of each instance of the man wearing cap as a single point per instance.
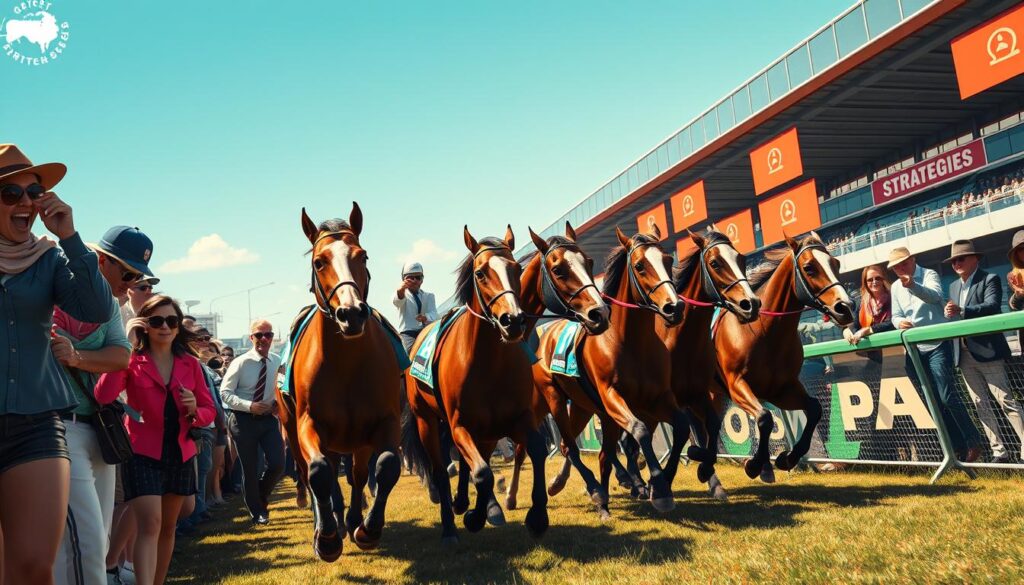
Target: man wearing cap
(982, 358)
(87, 350)
(138, 293)
(415, 307)
(917, 301)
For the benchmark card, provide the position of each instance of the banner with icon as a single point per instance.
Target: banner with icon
(651, 217)
(794, 212)
(689, 207)
(989, 54)
(739, 228)
(776, 162)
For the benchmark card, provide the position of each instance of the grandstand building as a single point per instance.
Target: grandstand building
(898, 123)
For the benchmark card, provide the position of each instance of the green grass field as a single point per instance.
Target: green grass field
(822, 528)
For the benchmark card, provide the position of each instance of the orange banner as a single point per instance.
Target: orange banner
(794, 211)
(776, 162)
(688, 206)
(740, 229)
(989, 54)
(684, 246)
(655, 215)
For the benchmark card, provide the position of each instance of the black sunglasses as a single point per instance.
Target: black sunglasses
(11, 194)
(414, 276)
(143, 287)
(204, 338)
(156, 322)
(261, 335)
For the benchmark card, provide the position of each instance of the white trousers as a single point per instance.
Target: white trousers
(985, 381)
(82, 559)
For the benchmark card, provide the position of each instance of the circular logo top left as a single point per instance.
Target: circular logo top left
(32, 34)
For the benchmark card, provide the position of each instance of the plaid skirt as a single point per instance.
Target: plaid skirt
(143, 476)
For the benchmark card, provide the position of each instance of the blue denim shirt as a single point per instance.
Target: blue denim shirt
(921, 303)
(31, 380)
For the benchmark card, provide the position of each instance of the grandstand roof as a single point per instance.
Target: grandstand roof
(894, 95)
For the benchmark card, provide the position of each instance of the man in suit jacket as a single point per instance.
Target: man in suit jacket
(982, 357)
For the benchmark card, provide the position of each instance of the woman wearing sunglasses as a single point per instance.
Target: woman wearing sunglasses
(35, 276)
(875, 312)
(165, 383)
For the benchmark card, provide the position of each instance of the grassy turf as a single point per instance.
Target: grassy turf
(844, 527)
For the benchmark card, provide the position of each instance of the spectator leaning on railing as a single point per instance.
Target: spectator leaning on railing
(874, 315)
(982, 357)
(1016, 277)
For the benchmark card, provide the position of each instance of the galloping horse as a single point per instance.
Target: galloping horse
(347, 390)
(762, 360)
(625, 371)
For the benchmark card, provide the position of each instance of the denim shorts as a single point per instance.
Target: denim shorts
(28, 437)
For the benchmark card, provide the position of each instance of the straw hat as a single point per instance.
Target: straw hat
(960, 248)
(897, 255)
(14, 162)
(1018, 242)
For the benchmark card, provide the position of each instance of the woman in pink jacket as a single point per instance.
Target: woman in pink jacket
(165, 383)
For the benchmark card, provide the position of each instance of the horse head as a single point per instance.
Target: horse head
(340, 279)
(493, 273)
(567, 285)
(648, 268)
(815, 279)
(724, 275)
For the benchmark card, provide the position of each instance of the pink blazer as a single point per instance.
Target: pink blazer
(147, 394)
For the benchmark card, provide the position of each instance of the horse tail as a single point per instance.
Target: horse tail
(412, 447)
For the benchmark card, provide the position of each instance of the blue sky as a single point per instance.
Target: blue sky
(211, 124)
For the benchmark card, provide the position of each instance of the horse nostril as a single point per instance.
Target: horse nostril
(505, 320)
(745, 305)
(364, 310)
(339, 314)
(595, 315)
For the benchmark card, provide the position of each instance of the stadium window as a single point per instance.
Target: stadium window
(725, 117)
(799, 66)
(948, 146)
(882, 15)
(990, 129)
(823, 50)
(697, 134)
(759, 93)
(685, 146)
(908, 162)
(964, 139)
(1009, 121)
(741, 103)
(850, 32)
(778, 84)
(931, 152)
(673, 150)
(710, 126)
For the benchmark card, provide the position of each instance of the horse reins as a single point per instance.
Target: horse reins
(323, 300)
(486, 306)
(645, 295)
(550, 297)
(803, 293)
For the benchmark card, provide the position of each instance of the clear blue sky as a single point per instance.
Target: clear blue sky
(194, 119)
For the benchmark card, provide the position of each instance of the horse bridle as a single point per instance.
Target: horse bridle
(801, 286)
(709, 284)
(552, 300)
(323, 300)
(645, 295)
(486, 306)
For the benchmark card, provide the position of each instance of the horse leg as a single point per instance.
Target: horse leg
(744, 397)
(609, 448)
(661, 490)
(537, 517)
(706, 470)
(575, 421)
(629, 476)
(386, 472)
(680, 434)
(288, 420)
(483, 480)
(327, 542)
(461, 502)
(430, 438)
(359, 471)
(513, 486)
(812, 409)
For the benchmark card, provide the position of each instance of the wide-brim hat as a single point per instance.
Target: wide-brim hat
(897, 255)
(959, 249)
(14, 162)
(1016, 244)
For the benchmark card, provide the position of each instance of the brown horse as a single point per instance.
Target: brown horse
(762, 360)
(346, 390)
(483, 383)
(625, 371)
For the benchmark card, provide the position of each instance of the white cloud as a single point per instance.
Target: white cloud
(424, 250)
(209, 253)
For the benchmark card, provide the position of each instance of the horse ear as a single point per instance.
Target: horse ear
(355, 219)
(795, 245)
(309, 228)
(815, 235)
(510, 238)
(622, 238)
(538, 241)
(471, 244)
(697, 239)
(655, 231)
(569, 232)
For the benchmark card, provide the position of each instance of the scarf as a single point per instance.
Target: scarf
(874, 311)
(17, 258)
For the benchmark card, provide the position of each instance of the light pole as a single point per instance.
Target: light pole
(189, 305)
(248, 294)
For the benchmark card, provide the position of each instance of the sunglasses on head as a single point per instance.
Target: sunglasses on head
(156, 322)
(262, 334)
(11, 194)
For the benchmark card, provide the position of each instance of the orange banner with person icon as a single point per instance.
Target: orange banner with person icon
(989, 54)
(739, 228)
(689, 207)
(791, 212)
(776, 162)
(653, 216)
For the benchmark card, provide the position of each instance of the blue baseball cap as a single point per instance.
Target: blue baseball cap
(129, 246)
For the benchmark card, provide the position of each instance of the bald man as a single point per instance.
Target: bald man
(248, 394)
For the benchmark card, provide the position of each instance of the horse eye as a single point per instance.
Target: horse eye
(639, 267)
(318, 264)
(715, 265)
(480, 274)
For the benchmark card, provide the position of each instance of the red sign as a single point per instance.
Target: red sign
(989, 54)
(654, 216)
(939, 169)
(791, 212)
(739, 229)
(688, 206)
(776, 162)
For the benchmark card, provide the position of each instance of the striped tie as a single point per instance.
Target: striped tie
(257, 396)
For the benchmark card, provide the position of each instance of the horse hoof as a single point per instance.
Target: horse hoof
(641, 492)
(697, 453)
(537, 521)
(459, 506)
(473, 521)
(364, 540)
(599, 498)
(785, 461)
(663, 505)
(557, 485)
(604, 515)
(768, 474)
(434, 497)
(510, 502)
(450, 541)
(301, 501)
(327, 548)
(752, 468)
(704, 472)
(495, 517)
(718, 492)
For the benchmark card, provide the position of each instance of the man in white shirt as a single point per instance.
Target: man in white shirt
(416, 308)
(248, 393)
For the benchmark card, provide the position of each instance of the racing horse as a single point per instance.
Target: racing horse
(624, 371)
(483, 387)
(345, 390)
(761, 361)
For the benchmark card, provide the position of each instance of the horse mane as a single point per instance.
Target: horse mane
(760, 274)
(615, 263)
(683, 271)
(464, 280)
(331, 225)
(552, 241)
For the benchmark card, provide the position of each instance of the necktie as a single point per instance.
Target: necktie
(257, 396)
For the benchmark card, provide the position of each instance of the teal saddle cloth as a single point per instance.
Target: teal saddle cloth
(563, 358)
(424, 362)
(302, 323)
